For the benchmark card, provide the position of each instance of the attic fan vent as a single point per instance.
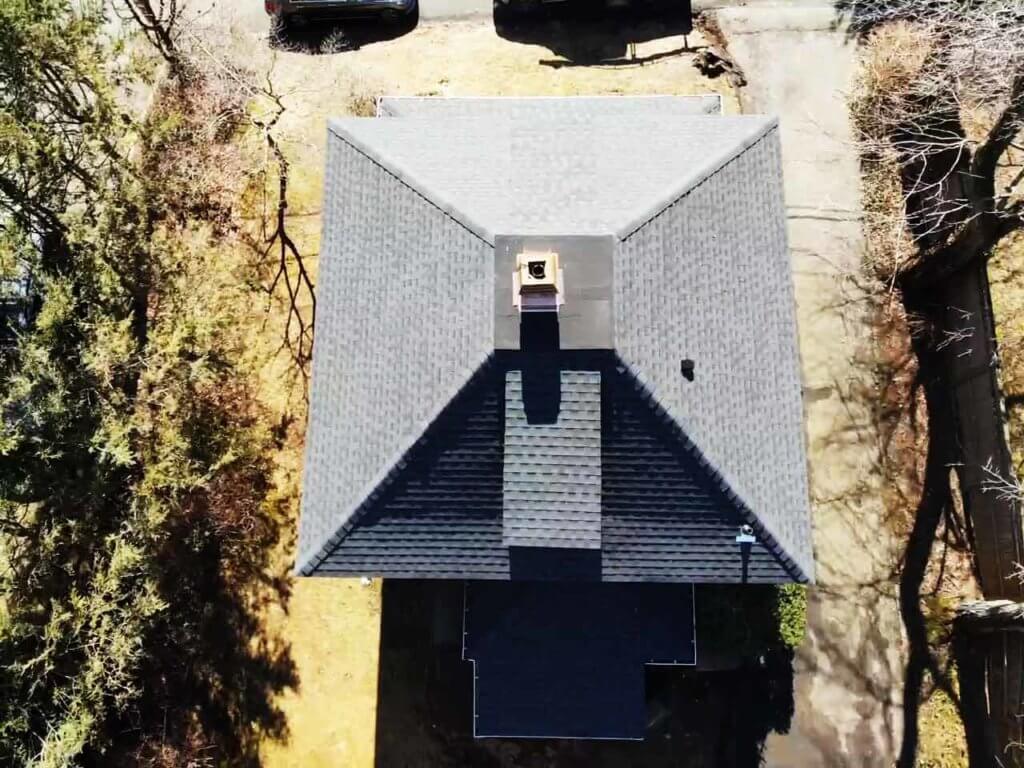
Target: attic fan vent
(537, 282)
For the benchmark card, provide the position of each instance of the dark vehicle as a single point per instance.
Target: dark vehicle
(286, 13)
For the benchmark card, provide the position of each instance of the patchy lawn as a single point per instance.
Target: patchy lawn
(333, 628)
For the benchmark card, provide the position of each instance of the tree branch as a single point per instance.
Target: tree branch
(1005, 130)
(974, 242)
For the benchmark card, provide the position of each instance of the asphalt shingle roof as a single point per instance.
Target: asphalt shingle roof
(543, 107)
(665, 516)
(406, 458)
(578, 173)
(552, 463)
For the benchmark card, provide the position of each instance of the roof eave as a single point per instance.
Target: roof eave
(763, 531)
(712, 165)
(434, 196)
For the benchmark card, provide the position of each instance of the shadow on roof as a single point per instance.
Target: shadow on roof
(541, 380)
(588, 33)
(664, 516)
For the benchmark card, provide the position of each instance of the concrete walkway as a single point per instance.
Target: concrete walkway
(849, 671)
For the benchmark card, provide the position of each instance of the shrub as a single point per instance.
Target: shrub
(748, 621)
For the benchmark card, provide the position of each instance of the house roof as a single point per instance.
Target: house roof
(572, 172)
(665, 514)
(543, 107)
(412, 462)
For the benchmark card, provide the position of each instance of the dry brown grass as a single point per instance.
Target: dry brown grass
(891, 61)
(1006, 274)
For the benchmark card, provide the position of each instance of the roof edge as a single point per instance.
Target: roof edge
(307, 563)
(764, 531)
(436, 198)
(384, 103)
(768, 125)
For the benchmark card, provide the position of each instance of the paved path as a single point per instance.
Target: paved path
(849, 670)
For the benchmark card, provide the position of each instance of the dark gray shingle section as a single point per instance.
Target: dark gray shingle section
(552, 466)
(666, 511)
(543, 107)
(440, 515)
(570, 174)
(709, 279)
(665, 516)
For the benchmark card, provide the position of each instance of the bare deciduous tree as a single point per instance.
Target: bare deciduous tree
(948, 110)
(192, 60)
(160, 22)
(939, 115)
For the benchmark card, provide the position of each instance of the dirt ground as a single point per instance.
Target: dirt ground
(846, 687)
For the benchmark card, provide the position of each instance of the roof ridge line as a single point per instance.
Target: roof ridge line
(772, 541)
(308, 562)
(702, 174)
(402, 176)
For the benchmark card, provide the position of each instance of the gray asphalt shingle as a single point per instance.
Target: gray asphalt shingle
(552, 469)
(664, 517)
(403, 478)
(578, 173)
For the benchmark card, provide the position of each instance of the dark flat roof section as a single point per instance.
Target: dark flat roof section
(566, 660)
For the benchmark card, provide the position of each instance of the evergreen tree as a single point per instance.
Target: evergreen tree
(137, 514)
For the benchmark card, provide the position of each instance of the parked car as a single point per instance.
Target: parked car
(288, 12)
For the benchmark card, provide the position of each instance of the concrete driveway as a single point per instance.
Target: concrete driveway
(849, 671)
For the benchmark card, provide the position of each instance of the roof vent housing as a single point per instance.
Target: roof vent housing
(537, 282)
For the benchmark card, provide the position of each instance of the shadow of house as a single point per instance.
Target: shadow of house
(584, 33)
(425, 702)
(426, 681)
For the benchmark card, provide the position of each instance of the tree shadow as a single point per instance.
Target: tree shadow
(587, 34)
(425, 702)
(912, 410)
(214, 669)
(869, 423)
